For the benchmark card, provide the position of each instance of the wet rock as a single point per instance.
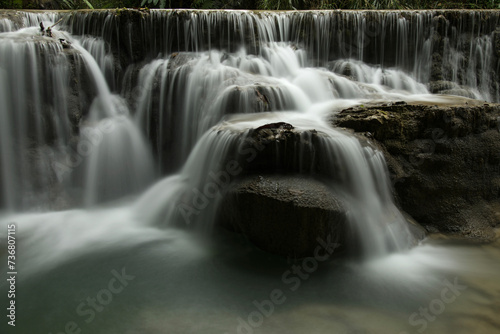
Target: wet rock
(179, 59)
(131, 37)
(444, 161)
(437, 65)
(279, 148)
(284, 214)
(280, 211)
(65, 44)
(441, 85)
(497, 42)
(459, 92)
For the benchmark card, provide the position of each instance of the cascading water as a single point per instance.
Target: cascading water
(452, 46)
(313, 94)
(34, 83)
(41, 109)
(191, 84)
(99, 50)
(177, 98)
(121, 152)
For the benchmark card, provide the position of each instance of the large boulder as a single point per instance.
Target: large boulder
(280, 199)
(285, 215)
(283, 149)
(444, 161)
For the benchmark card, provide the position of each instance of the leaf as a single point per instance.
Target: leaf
(69, 4)
(208, 5)
(88, 4)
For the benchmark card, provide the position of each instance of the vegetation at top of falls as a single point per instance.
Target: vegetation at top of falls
(72, 4)
(253, 4)
(68, 4)
(153, 3)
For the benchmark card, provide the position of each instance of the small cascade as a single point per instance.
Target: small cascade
(356, 173)
(33, 19)
(430, 46)
(100, 51)
(7, 25)
(56, 136)
(207, 87)
(376, 76)
(35, 88)
(180, 98)
(121, 153)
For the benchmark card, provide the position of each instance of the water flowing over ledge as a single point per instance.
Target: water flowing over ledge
(457, 46)
(161, 79)
(149, 84)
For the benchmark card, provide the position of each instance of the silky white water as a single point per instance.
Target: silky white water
(90, 205)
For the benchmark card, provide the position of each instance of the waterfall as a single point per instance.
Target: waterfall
(58, 135)
(431, 46)
(34, 80)
(132, 93)
(306, 97)
(358, 174)
(7, 25)
(100, 51)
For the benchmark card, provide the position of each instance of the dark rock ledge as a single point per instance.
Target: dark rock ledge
(444, 161)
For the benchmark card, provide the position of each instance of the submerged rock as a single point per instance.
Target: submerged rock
(444, 161)
(286, 215)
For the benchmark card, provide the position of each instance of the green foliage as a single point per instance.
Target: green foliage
(494, 4)
(399, 4)
(154, 3)
(75, 4)
(11, 4)
(203, 4)
(115, 3)
(277, 4)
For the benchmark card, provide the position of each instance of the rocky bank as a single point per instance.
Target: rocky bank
(444, 161)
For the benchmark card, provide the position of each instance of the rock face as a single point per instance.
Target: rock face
(281, 212)
(444, 161)
(281, 149)
(284, 214)
(281, 201)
